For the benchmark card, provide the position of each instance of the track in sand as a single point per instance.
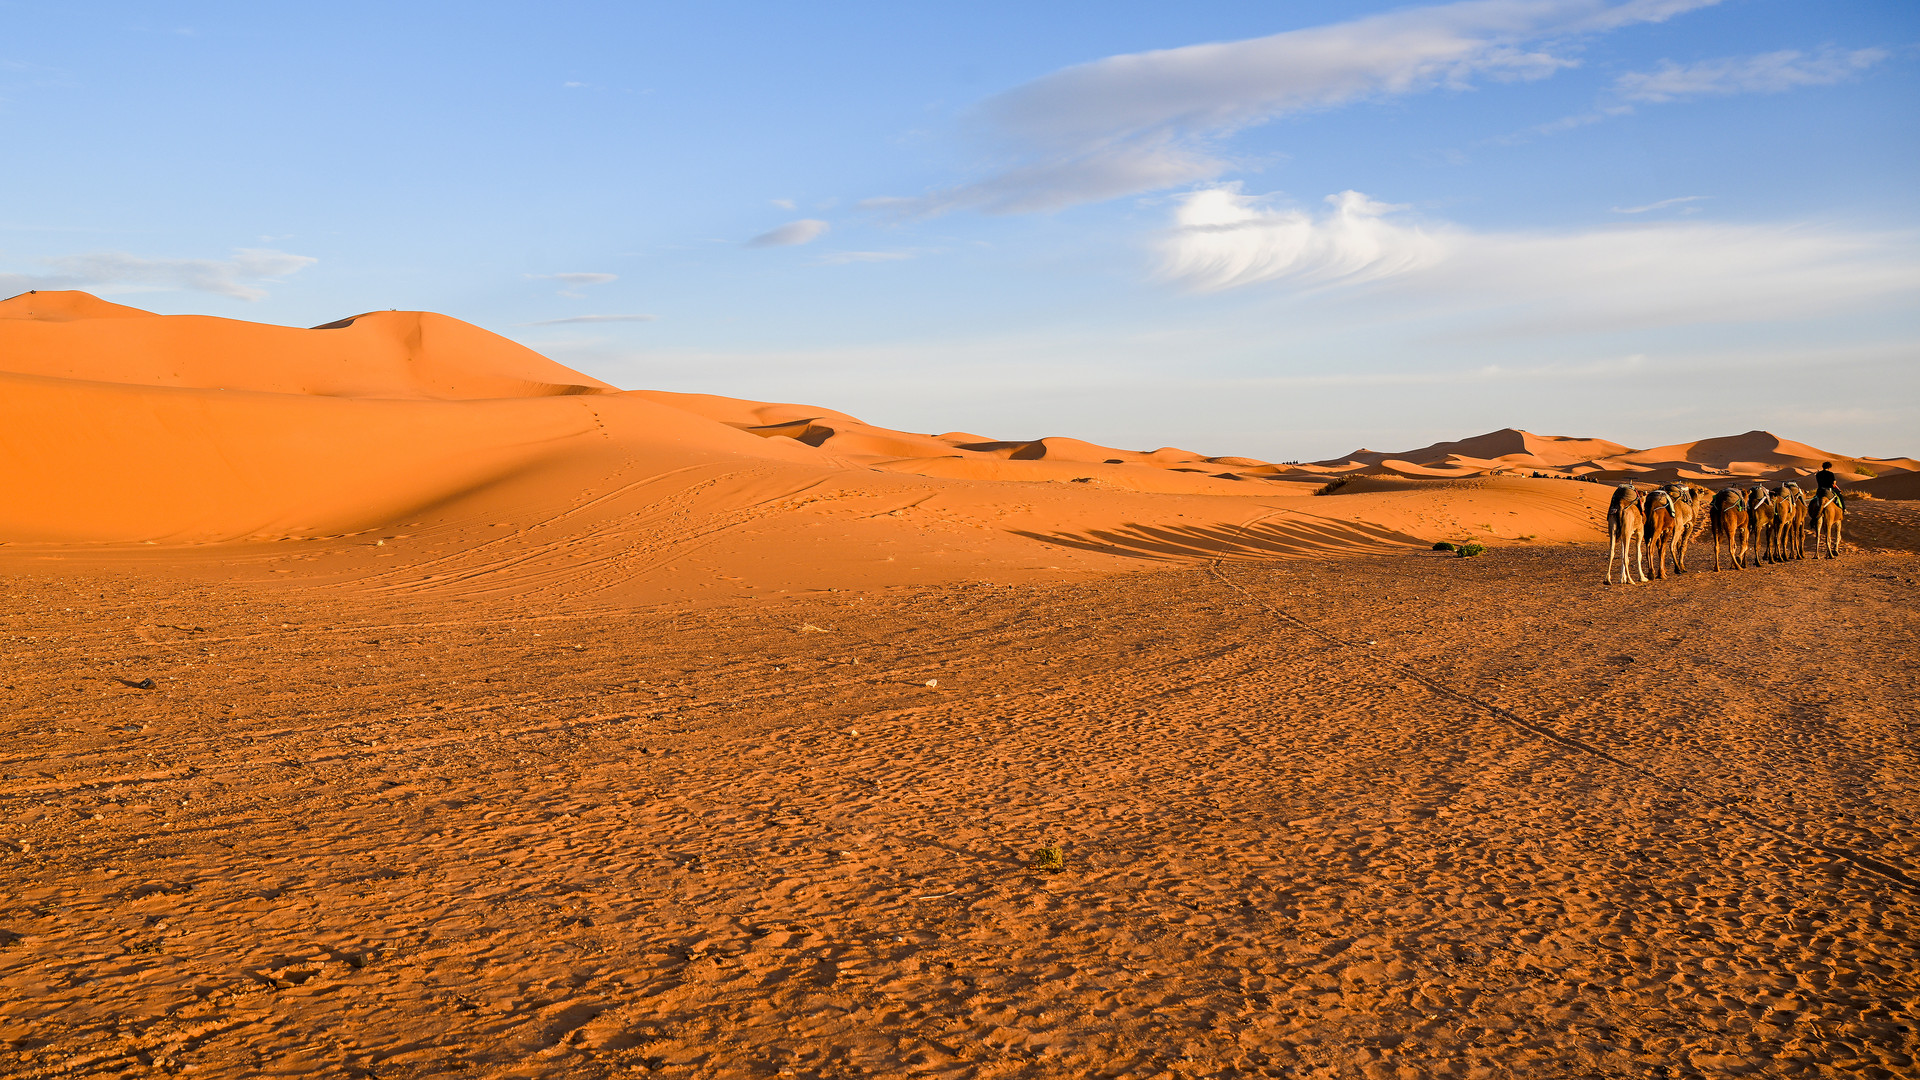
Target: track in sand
(1401, 816)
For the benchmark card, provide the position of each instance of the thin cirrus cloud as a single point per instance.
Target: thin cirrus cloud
(1148, 121)
(1767, 73)
(1681, 200)
(575, 281)
(1538, 281)
(792, 234)
(843, 258)
(574, 319)
(240, 277)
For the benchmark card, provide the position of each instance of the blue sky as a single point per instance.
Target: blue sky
(1281, 229)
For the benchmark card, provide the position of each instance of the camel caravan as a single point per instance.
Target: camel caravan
(1756, 525)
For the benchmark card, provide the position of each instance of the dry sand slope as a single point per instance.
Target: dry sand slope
(1396, 817)
(385, 700)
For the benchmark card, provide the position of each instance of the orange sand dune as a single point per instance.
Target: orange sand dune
(384, 354)
(487, 467)
(1509, 446)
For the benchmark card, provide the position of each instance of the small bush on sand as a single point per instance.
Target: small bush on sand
(1469, 550)
(1444, 546)
(1049, 858)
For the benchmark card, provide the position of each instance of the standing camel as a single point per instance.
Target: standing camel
(1793, 525)
(1828, 515)
(1688, 514)
(1729, 521)
(1662, 528)
(1625, 524)
(1763, 524)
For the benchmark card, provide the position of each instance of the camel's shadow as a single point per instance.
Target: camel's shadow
(1169, 543)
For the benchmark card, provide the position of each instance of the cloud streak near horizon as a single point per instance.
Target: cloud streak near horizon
(574, 319)
(1767, 73)
(1617, 277)
(239, 277)
(792, 234)
(1148, 121)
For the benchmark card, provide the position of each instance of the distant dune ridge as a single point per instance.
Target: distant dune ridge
(119, 425)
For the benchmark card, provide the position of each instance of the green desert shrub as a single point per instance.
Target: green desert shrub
(1471, 549)
(1444, 546)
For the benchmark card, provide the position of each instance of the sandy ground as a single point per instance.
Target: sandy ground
(1393, 816)
(383, 699)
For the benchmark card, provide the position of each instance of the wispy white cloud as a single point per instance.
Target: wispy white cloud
(1767, 73)
(1605, 368)
(804, 231)
(1147, 121)
(571, 319)
(574, 281)
(240, 277)
(784, 204)
(1542, 281)
(1223, 239)
(1661, 205)
(842, 258)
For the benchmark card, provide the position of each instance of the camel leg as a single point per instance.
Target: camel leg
(1642, 556)
(1613, 542)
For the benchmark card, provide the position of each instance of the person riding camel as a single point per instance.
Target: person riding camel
(1828, 484)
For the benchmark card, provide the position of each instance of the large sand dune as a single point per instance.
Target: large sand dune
(120, 426)
(472, 463)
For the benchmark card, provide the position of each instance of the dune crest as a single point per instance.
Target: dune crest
(410, 355)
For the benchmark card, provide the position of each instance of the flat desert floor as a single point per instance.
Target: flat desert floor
(1399, 815)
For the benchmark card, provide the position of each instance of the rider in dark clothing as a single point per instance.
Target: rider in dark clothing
(1825, 479)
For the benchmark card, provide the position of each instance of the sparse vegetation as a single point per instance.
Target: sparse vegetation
(1468, 550)
(1049, 858)
(1444, 546)
(1328, 489)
